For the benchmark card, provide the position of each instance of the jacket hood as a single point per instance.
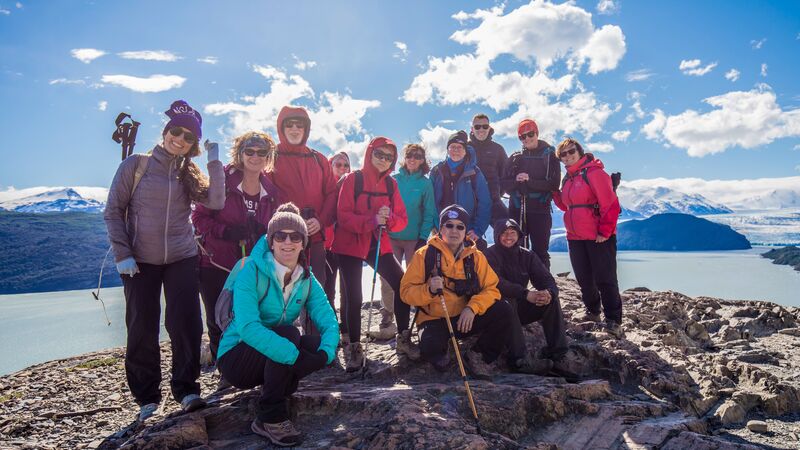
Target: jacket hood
(293, 112)
(366, 165)
(587, 161)
(500, 226)
(542, 145)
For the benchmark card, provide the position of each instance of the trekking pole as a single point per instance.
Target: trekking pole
(244, 252)
(371, 301)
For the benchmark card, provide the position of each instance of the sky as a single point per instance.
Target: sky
(679, 89)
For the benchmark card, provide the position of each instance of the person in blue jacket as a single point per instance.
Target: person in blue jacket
(260, 346)
(458, 180)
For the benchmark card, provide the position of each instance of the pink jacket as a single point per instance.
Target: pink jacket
(590, 209)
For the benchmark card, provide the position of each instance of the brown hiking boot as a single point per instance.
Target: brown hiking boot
(282, 434)
(406, 347)
(589, 316)
(532, 366)
(386, 330)
(354, 357)
(614, 329)
(476, 366)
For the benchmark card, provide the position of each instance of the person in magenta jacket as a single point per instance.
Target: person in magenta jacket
(229, 234)
(591, 209)
(359, 218)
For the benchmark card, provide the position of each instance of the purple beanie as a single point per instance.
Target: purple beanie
(182, 115)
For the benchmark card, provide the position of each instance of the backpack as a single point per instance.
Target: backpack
(616, 177)
(542, 197)
(141, 167)
(469, 286)
(359, 189)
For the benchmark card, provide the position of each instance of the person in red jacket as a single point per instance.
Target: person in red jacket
(359, 217)
(591, 209)
(306, 179)
(340, 163)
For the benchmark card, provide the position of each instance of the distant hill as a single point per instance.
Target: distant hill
(672, 232)
(53, 252)
(54, 199)
(789, 255)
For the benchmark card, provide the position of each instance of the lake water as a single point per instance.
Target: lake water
(40, 327)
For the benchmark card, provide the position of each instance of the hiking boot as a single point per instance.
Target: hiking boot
(614, 329)
(282, 434)
(145, 411)
(354, 357)
(384, 333)
(476, 366)
(406, 347)
(344, 341)
(441, 363)
(532, 366)
(589, 316)
(192, 402)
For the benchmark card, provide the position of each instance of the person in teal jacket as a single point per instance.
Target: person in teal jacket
(260, 346)
(417, 192)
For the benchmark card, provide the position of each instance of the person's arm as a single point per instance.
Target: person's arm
(429, 212)
(398, 219)
(327, 216)
(502, 161)
(489, 294)
(414, 285)
(205, 222)
(507, 288)
(216, 174)
(559, 201)
(324, 319)
(600, 183)
(552, 180)
(508, 182)
(484, 212)
(119, 197)
(347, 218)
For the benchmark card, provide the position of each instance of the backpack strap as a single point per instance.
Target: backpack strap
(141, 167)
(358, 189)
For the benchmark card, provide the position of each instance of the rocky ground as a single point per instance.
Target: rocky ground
(690, 373)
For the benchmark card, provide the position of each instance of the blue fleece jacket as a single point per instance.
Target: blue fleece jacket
(474, 199)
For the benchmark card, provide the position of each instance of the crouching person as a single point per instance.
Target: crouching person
(261, 346)
(452, 266)
(515, 267)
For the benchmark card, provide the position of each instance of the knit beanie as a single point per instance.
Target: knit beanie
(182, 115)
(459, 137)
(527, 125)
(287, 217)
(453, 212)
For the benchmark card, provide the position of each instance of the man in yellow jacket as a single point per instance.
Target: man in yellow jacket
(452, 266)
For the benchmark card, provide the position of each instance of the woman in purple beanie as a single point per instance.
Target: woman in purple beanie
(147, 216)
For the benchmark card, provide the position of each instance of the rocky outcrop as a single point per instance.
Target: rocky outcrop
(689, 373)
(789, 256)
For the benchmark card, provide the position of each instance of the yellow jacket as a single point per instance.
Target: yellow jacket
(414, 287)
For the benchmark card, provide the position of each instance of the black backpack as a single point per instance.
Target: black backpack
(359, 189)
(469, 286)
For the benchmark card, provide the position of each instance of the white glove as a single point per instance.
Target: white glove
(127, 267)
(212, 149)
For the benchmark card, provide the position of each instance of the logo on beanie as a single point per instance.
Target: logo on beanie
(452, 214)
(182, 109)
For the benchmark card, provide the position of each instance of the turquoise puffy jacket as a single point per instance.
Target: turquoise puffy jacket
(417, 192)
(252, 323)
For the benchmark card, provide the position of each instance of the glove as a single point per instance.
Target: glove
(420, 243)
(308, 362)
(235, 233)
(212, 148)
(127, 267)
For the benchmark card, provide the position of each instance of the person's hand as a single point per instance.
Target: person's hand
(235, 233)
(472, 235)
(539, 298)
(600, 239)
(384, 211)
(435, 284)
(127, 267)
(212, 150)
(465, 320)
(522, 177)
(313, 226)
(308, 362)
(380, 220)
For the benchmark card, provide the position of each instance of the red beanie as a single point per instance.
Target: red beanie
(527, 125)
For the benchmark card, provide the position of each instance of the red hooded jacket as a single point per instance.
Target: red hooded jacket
(304, 175)
(577, 197)
(355, 220)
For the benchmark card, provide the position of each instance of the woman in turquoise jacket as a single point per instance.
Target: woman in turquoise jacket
(416, 190)
(260, 346)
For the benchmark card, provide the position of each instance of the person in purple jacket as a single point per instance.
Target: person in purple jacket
(230, 234)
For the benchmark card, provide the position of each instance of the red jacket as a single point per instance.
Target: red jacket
(210, 224)
(355, 221)
(576, 199)
(304, 175)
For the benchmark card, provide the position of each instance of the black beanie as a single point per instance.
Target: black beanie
(453, 212)
(459, 137)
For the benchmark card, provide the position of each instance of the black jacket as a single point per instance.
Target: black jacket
(492, 160)
(544, 170)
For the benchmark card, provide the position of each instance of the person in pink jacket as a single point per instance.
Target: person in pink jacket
(591, 209)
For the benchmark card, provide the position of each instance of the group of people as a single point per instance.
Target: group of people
(281, 223)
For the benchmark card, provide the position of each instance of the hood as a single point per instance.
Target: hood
(292, 112)
(474, 141)
(501, 226)
(587, 161)
(542, 145)
(366, 165)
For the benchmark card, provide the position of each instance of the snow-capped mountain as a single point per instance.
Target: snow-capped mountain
(649, 201)
(54, 199)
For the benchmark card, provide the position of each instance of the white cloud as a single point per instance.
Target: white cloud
(153, 83)
(599, 147)
(605, 49)
(434, 139)
(608, 6)
(732, 75)
(764, 69)
(65, 81)
(18, 5)
(102, 105)
(745, 119)
(402, 52)
(5, 12)
(303, 65)
(150, 55)
(693, 67)
(208, 60)
(621, 136)
(796, 147)
(638, 75)
(638, 112)
(86, 55)
(758, 44)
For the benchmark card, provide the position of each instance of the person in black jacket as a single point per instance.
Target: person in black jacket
(516, 267)
(492, 160)
(530, 177)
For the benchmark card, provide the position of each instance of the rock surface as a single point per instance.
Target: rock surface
(789, 255)
(688, 374)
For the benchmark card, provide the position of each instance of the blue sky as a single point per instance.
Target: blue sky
(679, 89)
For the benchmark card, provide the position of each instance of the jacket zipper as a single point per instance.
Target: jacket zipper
(169, 200)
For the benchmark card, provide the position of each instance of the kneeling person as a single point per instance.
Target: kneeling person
(451, 266)
(261, 346)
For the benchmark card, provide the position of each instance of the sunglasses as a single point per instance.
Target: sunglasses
(251, 151)
(529, 134)
(345, 165)
(294, 236)
(569, 152)
(417, 156)
(457, 226)
(383, 156)
(294, 124)
(481, 127)
(188, 136)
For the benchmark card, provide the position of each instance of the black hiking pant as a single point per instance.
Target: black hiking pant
(143, 321)
(212, 280)
(315, 252)
(245, 367)
(536, 226)
(552, 321)
(330, 281)
(390, 270)
(595, 267)
(493, 327)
